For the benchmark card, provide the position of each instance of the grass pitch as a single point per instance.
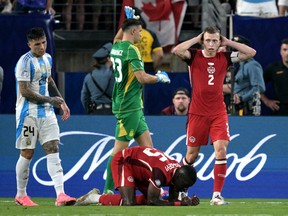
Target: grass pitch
(237, 207)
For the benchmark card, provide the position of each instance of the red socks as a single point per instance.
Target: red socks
(220, 169)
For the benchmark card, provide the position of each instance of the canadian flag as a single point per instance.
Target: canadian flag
(164, 17)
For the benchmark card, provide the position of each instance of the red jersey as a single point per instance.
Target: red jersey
(145, 165)
(206, 79)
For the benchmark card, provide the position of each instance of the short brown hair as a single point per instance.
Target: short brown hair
(128, 23)
(210, 30)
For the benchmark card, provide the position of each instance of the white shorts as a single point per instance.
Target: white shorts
(267, 9)
(283, 2)
(34, 129)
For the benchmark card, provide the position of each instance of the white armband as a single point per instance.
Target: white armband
(234, 57)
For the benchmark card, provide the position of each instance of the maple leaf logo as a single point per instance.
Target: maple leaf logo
(161, 11)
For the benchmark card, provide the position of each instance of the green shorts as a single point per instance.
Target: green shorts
(130, 125)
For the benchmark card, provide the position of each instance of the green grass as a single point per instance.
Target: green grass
(237, 207)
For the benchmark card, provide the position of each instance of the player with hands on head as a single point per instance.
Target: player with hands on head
(127, 104)
(37, 95)
(146, 169)
(207, 114)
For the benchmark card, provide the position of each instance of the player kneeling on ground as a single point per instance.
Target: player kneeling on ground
(147, 170)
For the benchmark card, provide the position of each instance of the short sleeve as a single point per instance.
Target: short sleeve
(135, 59)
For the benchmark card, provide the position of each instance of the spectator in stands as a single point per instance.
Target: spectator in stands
(149, 47)
(80, 13)
(277, 74)
(180, 103)
(96, 94)
(283, 7)
(27, 6)
(194, 7)
(1, 80)
(226, 6)
(248, 84)
(262, 8)
(105, 8)
(5, 6)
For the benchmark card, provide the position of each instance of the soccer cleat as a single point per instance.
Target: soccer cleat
(24, 201)
(64, 200)
(86, 199)
(218, 200)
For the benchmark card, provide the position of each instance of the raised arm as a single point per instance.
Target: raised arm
(245, 52)
(181, 50)
(118, 36)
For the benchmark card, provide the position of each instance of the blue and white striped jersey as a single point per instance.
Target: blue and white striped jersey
(36, 71)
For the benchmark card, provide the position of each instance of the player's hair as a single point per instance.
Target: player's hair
(284, 41)
(35, 33)
(128, 23)
(210, 30)
(184, 177)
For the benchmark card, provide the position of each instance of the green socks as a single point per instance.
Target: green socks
(109, 184)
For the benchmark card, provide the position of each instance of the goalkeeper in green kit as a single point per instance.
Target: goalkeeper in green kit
(127, 105)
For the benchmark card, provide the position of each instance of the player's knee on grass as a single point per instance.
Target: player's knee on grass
(128, 195)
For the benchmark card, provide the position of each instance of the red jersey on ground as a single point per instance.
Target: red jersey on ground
(138, 166)
(206, 79)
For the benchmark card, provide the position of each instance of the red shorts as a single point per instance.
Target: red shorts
(121, 172)
(199, 128)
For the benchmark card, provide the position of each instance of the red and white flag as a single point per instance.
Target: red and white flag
(164, 17)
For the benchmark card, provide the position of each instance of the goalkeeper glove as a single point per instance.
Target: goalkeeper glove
(130, 13)
(163, 77)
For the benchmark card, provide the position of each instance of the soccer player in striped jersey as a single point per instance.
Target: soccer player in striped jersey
(37, 94)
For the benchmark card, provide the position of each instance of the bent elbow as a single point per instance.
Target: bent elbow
(175, 50)
(24, 93)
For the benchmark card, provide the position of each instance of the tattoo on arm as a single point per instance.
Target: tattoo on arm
(52, 88)
(27, 92)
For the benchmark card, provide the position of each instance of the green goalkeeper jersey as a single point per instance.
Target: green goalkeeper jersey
(127, 91)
